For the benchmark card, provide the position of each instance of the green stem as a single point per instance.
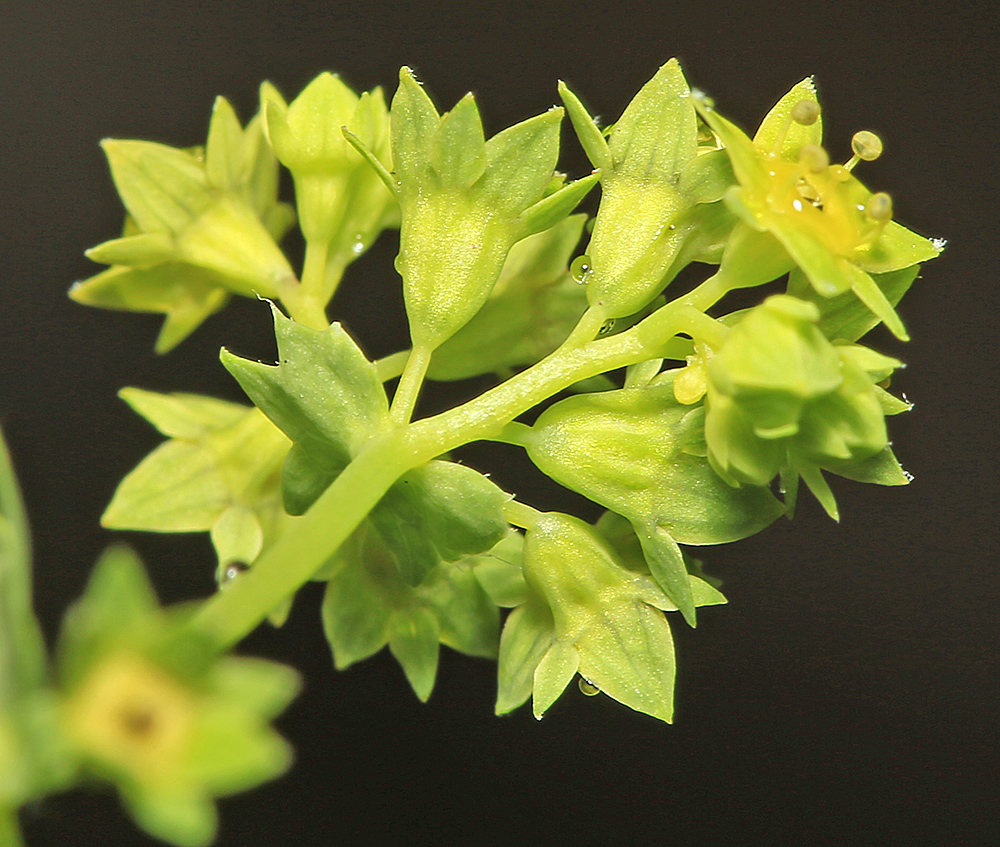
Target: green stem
(405, 398)
(587, 327)
(515, 433)
(293, 559)
(307, 302)
(10, 828)
(391, 366)
(520, 514)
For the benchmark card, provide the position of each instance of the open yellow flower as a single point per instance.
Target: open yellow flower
(798, 209)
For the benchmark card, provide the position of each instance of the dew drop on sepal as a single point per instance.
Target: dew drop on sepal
(581, 269)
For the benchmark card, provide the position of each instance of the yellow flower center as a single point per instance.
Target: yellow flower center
(130, 714)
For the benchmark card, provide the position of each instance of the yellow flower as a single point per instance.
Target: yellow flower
(796, 208)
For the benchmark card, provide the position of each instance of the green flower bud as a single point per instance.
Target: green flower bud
(341, 200)
(465, 201)
(651, 222)
(781, 396)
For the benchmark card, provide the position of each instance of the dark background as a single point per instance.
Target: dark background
(847, 695)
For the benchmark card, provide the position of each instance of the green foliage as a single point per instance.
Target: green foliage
(324, 478)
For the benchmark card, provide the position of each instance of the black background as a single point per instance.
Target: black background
(846, 696)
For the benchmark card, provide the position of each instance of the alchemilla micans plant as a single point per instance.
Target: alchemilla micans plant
(690, 424)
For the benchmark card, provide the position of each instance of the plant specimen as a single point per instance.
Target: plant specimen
(690, 424)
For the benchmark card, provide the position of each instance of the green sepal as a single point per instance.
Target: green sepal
(187, 295)
(341, 199)
(369, 603)
(591, 138)
(881, 469)
(323, 394)
(655, 169)
(531, 310)
(413, 640)
(458, 150)
(603, 624)
(845, 317)
(142, 250)
(415, 123)
(897, 248)
(552, 209)
(148, 706)
(220, 456)
(778, 133)
(499, 571)
(167, 191)
(528, 633)
(162, 188)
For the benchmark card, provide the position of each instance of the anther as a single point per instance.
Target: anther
(813, 157)
(866, 145)
(879, 207)
(806, 112)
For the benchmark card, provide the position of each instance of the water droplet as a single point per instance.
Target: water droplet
(581, 269)
(358, 247)
(908, 475)
(939, 243)
(587, 687)
(607, 326)
(231, 572)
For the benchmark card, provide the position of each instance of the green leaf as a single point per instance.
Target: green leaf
(324, 394)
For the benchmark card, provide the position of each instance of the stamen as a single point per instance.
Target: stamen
(806, 112)
(866, 145)
(813, 157)
(879, 207)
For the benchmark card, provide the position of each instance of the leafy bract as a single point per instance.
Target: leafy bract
(218, 471)
(371, 601)
(637, 452)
